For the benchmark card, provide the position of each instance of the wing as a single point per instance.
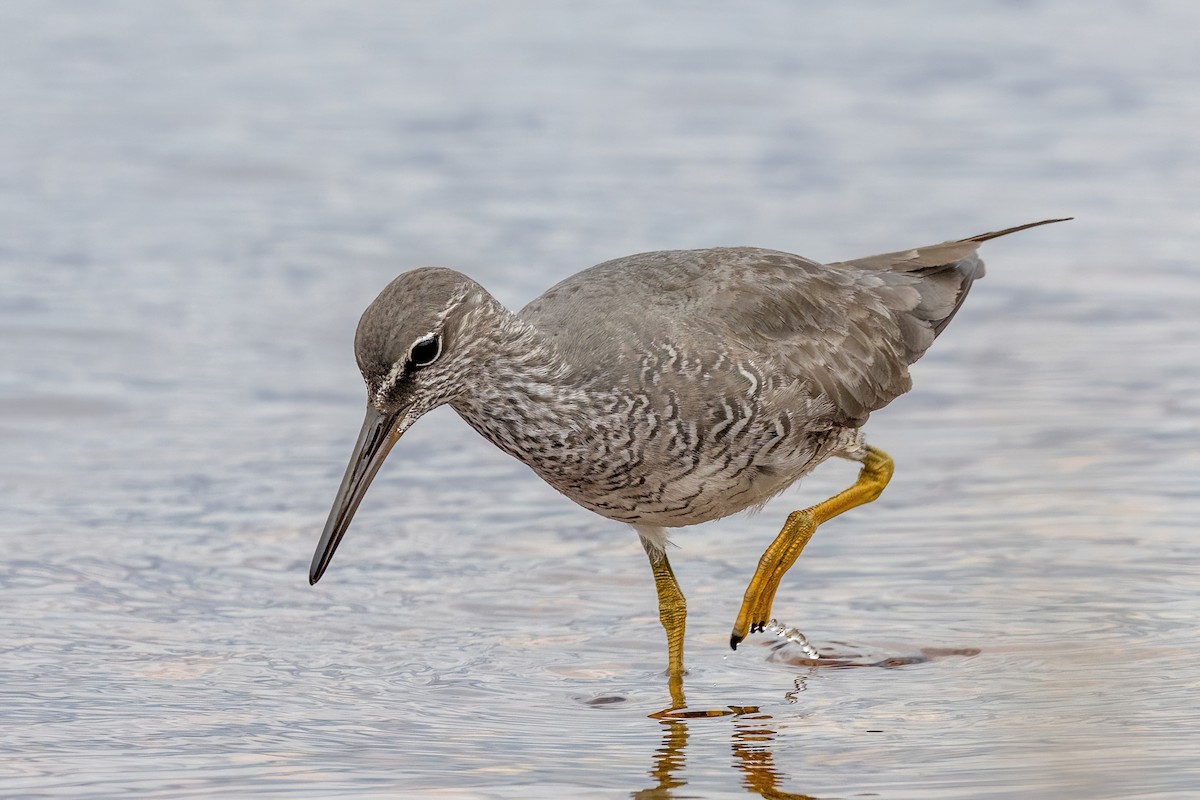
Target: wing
(849, 329)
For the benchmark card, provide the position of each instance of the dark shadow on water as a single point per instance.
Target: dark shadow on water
(847, 660)
(752, 736)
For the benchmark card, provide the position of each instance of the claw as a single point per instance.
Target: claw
(735, 639)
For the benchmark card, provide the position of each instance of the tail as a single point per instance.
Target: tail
(948, 270)
(978, 271)
(983, 237)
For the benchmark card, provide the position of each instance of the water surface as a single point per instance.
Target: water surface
(197, 201)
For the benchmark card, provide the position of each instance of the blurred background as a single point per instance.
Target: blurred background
(198, 199)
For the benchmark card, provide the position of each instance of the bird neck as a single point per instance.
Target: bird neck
(520, 397)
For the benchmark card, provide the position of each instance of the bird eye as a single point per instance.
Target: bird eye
(425, 351)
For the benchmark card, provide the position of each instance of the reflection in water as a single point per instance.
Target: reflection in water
(753, 735)
(668, 761)
(750, 741)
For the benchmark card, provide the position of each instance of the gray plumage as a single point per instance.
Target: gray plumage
(669, 388)
(665, 389)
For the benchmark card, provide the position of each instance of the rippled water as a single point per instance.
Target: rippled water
(196, 202)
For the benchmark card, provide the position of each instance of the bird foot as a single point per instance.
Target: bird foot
(756, 606)
(739, 631)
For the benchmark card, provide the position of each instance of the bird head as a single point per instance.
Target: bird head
(414, 347)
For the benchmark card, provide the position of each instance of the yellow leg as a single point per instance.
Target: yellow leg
(877, 468)
(672, 612)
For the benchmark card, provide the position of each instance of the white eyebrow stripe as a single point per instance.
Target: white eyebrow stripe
(397, 369)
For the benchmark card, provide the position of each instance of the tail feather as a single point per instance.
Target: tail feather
(983, 237)
(947, 271)
(972, 269)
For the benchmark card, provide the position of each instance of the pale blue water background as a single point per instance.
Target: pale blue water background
(198, 199)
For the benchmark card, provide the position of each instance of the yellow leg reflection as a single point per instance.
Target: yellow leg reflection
(752, 755)
(668, 762)
(877, 468)
(753, 733)
(751, 742)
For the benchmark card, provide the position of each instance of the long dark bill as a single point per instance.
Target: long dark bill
(374, 441)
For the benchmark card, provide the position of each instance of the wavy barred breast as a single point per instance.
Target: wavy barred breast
(686, 439)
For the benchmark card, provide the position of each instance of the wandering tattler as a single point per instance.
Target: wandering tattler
(665, 389)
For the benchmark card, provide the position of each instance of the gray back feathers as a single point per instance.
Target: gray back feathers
(850, 329)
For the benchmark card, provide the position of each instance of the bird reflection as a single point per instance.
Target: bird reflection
(668, 761)
(751, 741)
(753, 734)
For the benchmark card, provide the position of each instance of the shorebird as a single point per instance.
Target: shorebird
(665, 389)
